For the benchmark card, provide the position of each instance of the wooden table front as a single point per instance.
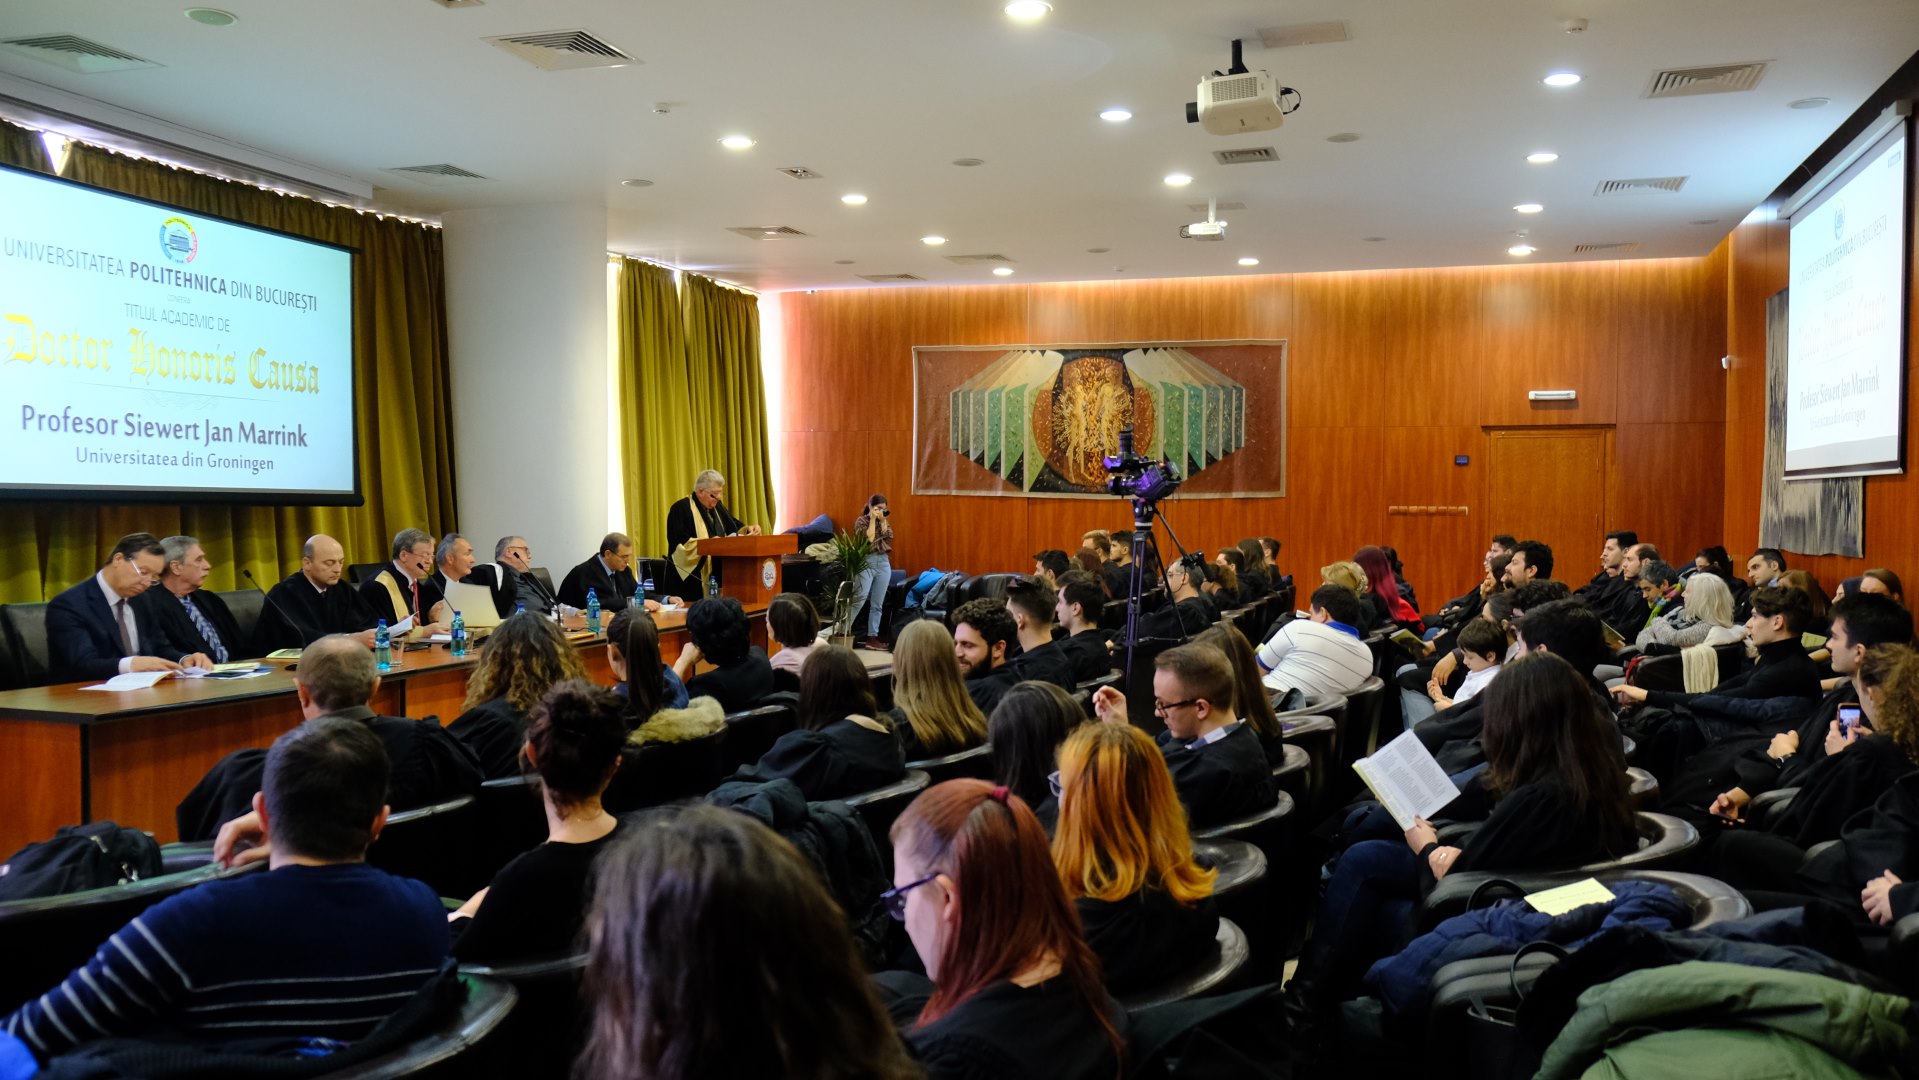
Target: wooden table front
(74, 755)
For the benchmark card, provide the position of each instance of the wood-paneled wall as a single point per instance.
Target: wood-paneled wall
(1392, 373)
(1758, 270)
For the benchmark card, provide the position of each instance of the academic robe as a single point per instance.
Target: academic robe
(613, 591)
(1091, 658)
(1180, 621)
(297, 614)
(1882, 837)
(1222, 780)
(380, 601)
(536, 596)
(504, 581)
(174, 627)
(679, 529)
(1048, 663)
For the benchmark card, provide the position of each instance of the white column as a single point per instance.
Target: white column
(526, 302)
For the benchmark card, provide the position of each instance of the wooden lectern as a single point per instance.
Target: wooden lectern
(749, 566)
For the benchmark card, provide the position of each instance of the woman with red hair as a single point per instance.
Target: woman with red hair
(1385, 588)
(1015, 989)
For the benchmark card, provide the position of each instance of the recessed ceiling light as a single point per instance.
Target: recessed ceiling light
(1178, 179)
(1116, 115)
(1002, 271)
(1521, 249)
(636, 182)
(1809, 103)
(1529, 208)
(1562, 78)
(932, 241)
(1097, 251)
(737, 142)
(1249, 261)
(968, 162)
(1344, 137)
(207, 16)
(1028, 10)
(1543, 157)
(853, 199)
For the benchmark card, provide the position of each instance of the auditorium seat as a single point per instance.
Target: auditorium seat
(432, 844)
(988, 586)
(360, 573)
(881, 807)
(1243, 892)
(750, 734)
(1268, 830)
(547, 1027)
(1767, 806)
(545, 577)
(1359, 733)
(27, 625)
(1209, 971)
(11, 677)
(512, 820)
(656, 773)
(1315, 735)
(975, 763)
(1293, 775)
(1644, 787)
(452, 1048)
(245, 604)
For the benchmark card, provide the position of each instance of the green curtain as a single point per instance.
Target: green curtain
(691, 397)
(723, 373)
(400, 390)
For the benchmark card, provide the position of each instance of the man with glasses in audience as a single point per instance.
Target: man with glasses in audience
(95, 630)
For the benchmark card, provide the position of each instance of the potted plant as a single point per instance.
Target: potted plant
(850, 550)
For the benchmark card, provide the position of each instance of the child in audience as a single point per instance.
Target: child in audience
(1127, 860)
(840, 748)
(1015, 991)
(535, 904)
(932, 713)
(523, 658)
(714, 950)
(633, 652)
(1026, 730)
(1482, 648)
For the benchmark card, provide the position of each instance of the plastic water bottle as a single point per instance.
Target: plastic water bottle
(382, 647)
(519, 608)
(458, 636)
(592, 611)
(713, 585)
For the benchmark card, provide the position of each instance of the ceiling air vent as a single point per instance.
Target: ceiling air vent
(767, 232)
(1200, 207)
(883, 279)
(1617, 247)
(460, 3)
(1246, 156)
(1643, 183)
(976, 260)
(75, 53)
(800, 172)
(1319, 33)
(563, 50)
(1716, 79)
(440, 174)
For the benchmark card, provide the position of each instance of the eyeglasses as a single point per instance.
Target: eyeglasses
(895, 899)
(1161, 708)
(1052, 783)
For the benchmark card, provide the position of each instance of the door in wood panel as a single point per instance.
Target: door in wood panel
(1549, 484)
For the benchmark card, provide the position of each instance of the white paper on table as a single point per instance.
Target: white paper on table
(403, 626)
(439, 637)
(1406, 780)
(131, 680)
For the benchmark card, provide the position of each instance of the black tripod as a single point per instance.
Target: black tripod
(1144, 511)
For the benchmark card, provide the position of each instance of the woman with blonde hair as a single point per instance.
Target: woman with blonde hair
(1705, 619)
(932, 712)
(1349, 574)
(1126, 858)
(523, 658)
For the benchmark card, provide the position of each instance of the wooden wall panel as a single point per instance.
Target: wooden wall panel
(1392, 374)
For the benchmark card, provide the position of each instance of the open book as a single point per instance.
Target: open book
(1406, 780)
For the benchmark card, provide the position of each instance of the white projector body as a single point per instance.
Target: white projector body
(1236, 104)
(1203, 230)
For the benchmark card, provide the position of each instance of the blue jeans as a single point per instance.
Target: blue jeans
(1367, 912)
(869, 589)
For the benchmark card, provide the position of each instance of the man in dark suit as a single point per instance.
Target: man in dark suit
(514, 551)
(1080, 601)
(193, 624)
(95, 631)
(455, 563)
(311, 603)
(609, 573)
(406, 587)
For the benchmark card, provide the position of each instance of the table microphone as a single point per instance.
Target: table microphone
(277, 606)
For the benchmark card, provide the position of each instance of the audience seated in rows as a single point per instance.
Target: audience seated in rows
(1086, 560)
(714, 949)
(1321, 654)
(524, 656)
(533, 908)
(1216, 760)
(1389, 608)
(1350, 577)
(1702, 614)
(320, 945)
(1076, 610)
(1119, 565)
(840, 748)
(1033, 604)
(984, 637)
(1011, 990)
(1782, 669)
(1222, 586)
(1817, 601)
(1188, 611)
(1258, 577)
(718, 633)
(932, 713)
(337, 677)
(1127, 860)
(633, 652)
(1531, 560)
(793, 625)
(1048, 565)
(1251, 698)
(1026, 731)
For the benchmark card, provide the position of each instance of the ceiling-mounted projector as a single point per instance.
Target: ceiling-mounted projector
(1237, 101)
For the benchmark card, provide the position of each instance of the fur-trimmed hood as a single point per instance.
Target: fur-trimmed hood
(702, 716)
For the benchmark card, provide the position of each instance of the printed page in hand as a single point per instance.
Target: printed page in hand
(1406, 780)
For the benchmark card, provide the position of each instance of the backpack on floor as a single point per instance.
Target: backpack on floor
(945, 595)
(78, 858)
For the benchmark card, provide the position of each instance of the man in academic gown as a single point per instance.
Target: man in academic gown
(192, 623)
(1077, 608)
(1190, 611)
(1031, 602)
(609, 573)
(95, 631)
(513, 551)
(337, 677)
(455, 559)
(311, 603)
(405, 586)
(699, 515)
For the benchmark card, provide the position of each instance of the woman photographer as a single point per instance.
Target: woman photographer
(876, 524)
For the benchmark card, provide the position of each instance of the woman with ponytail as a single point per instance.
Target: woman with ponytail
(1015, 989)
(535, 904)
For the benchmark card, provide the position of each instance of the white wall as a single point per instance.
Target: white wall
(526, 304)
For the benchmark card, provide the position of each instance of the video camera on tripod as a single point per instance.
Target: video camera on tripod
(1131, 475)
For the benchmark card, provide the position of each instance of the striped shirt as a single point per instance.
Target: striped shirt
(1315, 658)
(302, 950)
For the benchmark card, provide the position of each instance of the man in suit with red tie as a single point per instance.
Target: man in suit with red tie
(406, 586)
(95, 631)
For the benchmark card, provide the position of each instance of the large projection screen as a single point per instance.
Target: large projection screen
(1846, 321)
(156, 354)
